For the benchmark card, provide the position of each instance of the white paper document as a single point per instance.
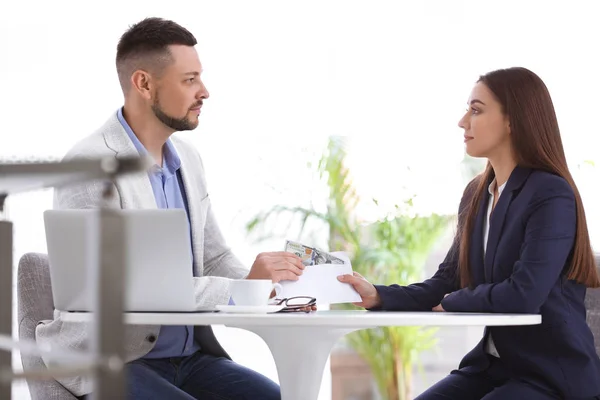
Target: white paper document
(320, 281)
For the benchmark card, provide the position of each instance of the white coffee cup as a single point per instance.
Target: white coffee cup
(253, 292)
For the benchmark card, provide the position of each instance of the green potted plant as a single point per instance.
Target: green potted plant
(391, 250)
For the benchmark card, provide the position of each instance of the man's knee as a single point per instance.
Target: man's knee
(265, 388)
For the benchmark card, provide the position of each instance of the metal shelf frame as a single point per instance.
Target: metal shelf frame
(105, 361)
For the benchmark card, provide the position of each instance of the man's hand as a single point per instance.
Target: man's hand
(368, 293)
(276, 266)
(439, 307)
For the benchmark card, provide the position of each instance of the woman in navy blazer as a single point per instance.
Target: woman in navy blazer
(522, 246)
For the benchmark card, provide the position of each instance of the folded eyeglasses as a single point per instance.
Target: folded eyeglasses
(295, 304)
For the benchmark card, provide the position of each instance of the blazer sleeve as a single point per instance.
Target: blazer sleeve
(425, 295)
(428, 294)
(550, 228)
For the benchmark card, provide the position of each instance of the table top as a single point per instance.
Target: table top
(329, 318)
(24, 176)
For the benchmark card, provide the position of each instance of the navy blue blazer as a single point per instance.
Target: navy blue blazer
(530, 243)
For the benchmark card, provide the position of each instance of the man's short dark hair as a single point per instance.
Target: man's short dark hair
(145, 46)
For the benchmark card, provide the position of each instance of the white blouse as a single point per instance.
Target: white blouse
(490, 347)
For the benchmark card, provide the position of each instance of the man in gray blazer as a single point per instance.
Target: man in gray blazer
(159, 72)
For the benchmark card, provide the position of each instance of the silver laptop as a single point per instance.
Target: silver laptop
(159, 274)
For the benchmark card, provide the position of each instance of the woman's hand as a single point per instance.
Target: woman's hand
(366, 290)
(439, 307)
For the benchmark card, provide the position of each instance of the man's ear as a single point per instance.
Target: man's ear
(142, 82)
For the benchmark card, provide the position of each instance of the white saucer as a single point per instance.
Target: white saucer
(249, 309)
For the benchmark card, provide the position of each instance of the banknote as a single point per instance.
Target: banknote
(311, 255)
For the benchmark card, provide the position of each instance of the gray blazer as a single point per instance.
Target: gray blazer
(214, 263)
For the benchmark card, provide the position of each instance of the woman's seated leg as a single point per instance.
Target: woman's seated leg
(460, 386)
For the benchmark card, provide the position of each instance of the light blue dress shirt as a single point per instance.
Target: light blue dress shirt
(169, 192)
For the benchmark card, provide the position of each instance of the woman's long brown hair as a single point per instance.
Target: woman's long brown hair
(536, 142)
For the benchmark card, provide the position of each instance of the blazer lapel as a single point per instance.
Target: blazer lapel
(191, 195)
(476, 250)
(194, 199)
(495, 229)
(136, 190)
(515, 181)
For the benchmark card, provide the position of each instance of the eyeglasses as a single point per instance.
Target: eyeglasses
(294, 304)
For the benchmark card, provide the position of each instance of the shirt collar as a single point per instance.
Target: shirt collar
(171, 160)
(500, 189)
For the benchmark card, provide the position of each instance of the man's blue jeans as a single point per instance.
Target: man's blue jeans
(199, 376)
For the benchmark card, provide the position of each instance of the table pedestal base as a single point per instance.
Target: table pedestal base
(300, 354)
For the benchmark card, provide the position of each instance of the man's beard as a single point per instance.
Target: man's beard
(177, 124)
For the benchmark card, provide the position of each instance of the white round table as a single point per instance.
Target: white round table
(301, 342)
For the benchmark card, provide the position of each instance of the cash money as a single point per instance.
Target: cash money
(311, 255)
